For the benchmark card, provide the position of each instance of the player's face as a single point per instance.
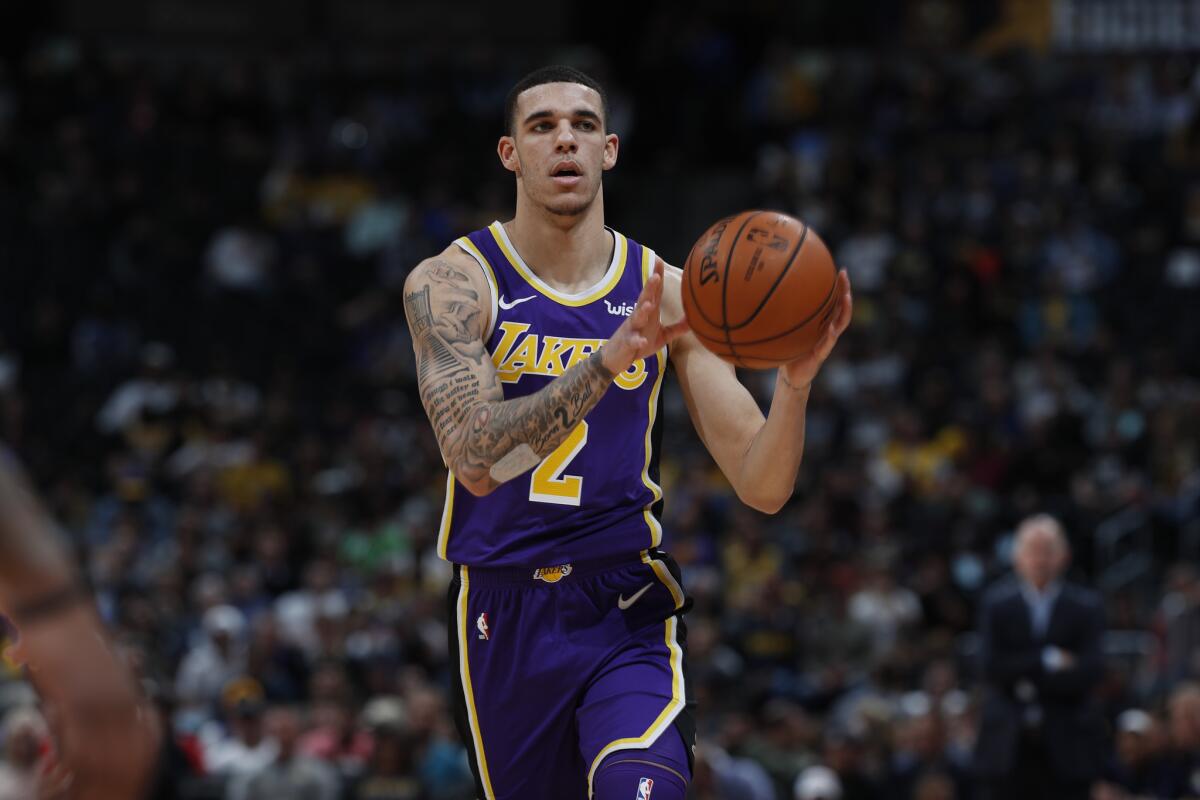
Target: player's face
(559, 149)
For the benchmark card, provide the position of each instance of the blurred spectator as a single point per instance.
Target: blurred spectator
(921, 751)
(23, 736)
(1183, 754)
(936, 786)
(153, 391)
(818, 783)
(318, 602)
(333, 737)
(785, 741)
(1040, 735)
(218, 658)
(289, 774)
(720, 776)
(846, 756)
(238, 744)
(391, 772)
(1179, 614)
(884, 608)
(1137, 768)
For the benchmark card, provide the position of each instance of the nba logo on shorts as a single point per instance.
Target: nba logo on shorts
(482, 625)
(644, 787)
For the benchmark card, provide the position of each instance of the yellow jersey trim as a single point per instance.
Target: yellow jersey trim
(655, 490)
(615, 269)
(467, 245)
(664, 575)
(443, 541)
(464, 668)
(664, 719)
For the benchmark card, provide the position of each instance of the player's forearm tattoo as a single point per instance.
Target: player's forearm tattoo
(483, 437)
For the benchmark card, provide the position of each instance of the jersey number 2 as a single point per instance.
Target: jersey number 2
(548, 484)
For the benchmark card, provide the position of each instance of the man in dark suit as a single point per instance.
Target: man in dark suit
(1040, 734)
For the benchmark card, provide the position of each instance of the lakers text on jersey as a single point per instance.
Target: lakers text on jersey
(598, 493)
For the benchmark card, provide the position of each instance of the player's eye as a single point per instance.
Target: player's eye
(541, 127)
(586, 125)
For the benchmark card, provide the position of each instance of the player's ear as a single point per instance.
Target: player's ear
(506, 148)
(611, 145)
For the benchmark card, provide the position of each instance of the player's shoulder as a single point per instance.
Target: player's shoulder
(453, 259)
(451, 266)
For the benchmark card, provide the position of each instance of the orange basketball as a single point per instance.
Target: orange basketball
(758, 287)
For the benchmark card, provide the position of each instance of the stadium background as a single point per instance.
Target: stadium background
(206, 214)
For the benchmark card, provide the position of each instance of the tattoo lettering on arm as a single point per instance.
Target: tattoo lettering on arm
(484, 439)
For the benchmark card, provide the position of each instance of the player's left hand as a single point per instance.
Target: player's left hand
(799, 374)
(642, 333)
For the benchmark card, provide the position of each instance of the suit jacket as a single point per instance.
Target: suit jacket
(1022, 694)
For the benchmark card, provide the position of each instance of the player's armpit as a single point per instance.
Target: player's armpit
(484, 439)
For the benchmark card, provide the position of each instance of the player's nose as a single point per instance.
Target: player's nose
(566, 137)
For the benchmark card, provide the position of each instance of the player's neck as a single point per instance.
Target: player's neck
(569, 253)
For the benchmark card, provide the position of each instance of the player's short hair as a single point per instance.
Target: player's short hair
(554, 73)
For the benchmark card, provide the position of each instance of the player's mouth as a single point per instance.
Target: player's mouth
(566, 173)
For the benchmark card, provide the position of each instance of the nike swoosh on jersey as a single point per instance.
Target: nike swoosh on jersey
(624, 604)
(516, 302)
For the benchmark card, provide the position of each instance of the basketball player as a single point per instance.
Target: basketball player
(541, 352)
(106, 735)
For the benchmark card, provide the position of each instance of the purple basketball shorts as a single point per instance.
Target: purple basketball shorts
(563, 665)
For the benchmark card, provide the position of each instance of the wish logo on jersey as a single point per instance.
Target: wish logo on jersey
(645, 786)
(520, 352)
(622, 310)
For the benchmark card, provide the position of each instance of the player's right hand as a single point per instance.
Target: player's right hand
(642, 333)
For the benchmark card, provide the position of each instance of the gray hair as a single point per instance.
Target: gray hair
(1042, 521)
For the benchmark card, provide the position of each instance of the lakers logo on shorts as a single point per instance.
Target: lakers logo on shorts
(552, 574)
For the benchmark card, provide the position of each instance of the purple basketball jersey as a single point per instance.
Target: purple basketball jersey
(598, 493)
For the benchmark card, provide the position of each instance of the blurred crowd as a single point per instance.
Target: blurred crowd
(204, 362)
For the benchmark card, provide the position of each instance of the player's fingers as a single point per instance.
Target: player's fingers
(825, 347)
(651, 294)
(845, 314)
(639, 317)
(846, 303)
(659, 276)
(838, 322)
(831, 331)
(825, 342)
(643, 313)
(649, 287)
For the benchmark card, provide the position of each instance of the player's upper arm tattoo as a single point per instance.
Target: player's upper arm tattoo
(484, 439)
